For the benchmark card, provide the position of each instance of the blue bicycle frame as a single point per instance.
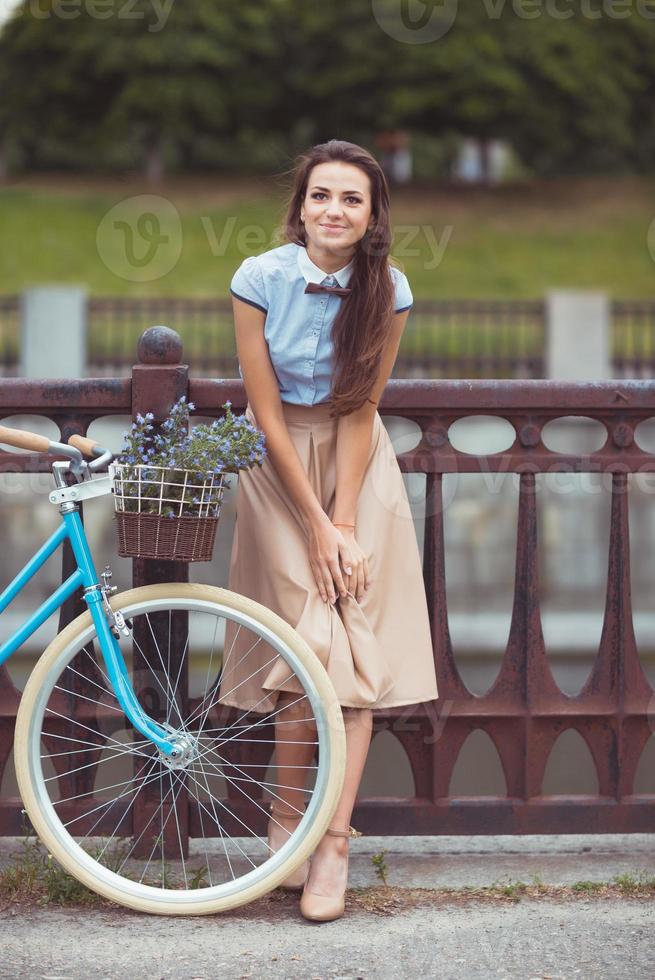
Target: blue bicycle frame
(85, 576)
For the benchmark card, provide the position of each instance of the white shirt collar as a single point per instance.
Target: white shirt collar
(312, 273)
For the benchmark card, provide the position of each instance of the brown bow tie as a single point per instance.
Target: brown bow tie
(316, 287)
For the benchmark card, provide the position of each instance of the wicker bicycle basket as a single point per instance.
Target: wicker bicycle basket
(163, 512)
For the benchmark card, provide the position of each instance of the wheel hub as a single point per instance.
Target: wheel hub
(187, 751)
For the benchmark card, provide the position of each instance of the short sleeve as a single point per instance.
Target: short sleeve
(404, 298)
(248, 284)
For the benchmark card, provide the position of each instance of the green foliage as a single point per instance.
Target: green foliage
(381, 866)
(244, 87)
(34, 875)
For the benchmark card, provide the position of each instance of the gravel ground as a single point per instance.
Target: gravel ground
(587, 939)
(561, 936)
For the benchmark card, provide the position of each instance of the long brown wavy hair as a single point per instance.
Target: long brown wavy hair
(362, 325)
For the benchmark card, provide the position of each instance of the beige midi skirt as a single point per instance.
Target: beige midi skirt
(377, 652)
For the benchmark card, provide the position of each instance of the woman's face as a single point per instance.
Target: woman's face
(336, 210)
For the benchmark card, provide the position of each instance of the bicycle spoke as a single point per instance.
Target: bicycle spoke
(231, 780)
(109, 803)
(179, 671)
(204, 841)
(259, 721)
(222, 838)
(95, 745)
(235, 817)
(83, 697)
(258, 782)
(209, 665)
(69, 772)
(179, 835)
(95, 660)
(225, 694)
(169, 697)
(266, 718)
(88, 680)
(218, 824)
(161, 832)
(112, 835)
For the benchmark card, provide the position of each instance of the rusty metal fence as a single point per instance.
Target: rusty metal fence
(524, 712)
(443, 338)
(448, 338)
(9, 335)
(455, 338)
(633, 338)
(206, 327)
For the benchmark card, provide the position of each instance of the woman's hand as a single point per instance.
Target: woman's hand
(332, 549)
(326, 547)
(358, 579)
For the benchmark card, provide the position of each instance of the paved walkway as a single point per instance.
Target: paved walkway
(568, 938)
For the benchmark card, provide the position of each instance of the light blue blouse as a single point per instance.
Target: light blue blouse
(298, 325)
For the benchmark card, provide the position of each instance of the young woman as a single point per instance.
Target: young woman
(324, 534)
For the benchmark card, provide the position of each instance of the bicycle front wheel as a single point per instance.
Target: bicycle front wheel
(185, 836)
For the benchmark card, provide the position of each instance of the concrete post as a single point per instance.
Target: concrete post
(53, 332)
(578, 340)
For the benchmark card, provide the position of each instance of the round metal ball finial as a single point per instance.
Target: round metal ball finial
(159, 345)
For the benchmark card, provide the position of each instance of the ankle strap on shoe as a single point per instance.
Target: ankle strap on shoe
(280, 812)
(351, 832)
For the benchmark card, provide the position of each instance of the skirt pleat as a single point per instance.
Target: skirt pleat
(377, 653)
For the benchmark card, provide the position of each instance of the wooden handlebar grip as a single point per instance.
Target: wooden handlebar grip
(85, 446)
(22, 439)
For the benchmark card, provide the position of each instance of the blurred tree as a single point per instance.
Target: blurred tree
(50, 88)
(634, 49)
(89, 83)
(561, 91)
(128, 90)
(244, 86)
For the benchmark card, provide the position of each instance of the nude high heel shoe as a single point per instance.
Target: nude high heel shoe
(325, 908)
(293, 882)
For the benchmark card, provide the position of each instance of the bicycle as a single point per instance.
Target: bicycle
(117, 755)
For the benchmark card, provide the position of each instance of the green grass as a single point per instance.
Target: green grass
(507, 242)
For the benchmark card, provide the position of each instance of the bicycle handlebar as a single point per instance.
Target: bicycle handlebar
(85, 446)
(22, 439)
(76, 447)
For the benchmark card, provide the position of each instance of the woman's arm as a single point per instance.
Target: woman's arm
(264, 397)
(355, 429)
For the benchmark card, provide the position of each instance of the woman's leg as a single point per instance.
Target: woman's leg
(328, 872)
(295, 738)
(295, 746)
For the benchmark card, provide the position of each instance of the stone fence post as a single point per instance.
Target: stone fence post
(53, 332)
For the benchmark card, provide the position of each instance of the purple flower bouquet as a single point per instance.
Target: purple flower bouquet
(174, 473)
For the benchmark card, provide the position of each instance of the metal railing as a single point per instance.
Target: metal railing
(456, 338)
(9, 335)
(524, 712)
(443, 338)
(633, 323)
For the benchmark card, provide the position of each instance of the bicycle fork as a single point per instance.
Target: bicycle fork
(109, 625)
